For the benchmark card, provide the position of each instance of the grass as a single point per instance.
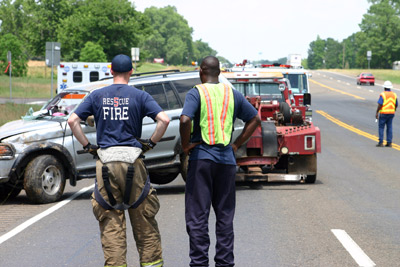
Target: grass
(383, 75)
(26, 87)
(12, 111)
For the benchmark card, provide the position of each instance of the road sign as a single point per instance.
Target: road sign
(53, 51)
(369, 55)
(135, 53)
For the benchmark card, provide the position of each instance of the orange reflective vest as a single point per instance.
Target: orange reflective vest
(389, 102)
(216, 113)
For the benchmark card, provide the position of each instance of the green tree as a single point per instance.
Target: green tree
(333, 54)
(43, 17)
(316, 54)
(381, 26)
(172, 36)
(201, 50)
(92, 53)
(10, 42)
(11, 17)
(114, 25)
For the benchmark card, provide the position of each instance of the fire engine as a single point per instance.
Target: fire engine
(297, 75)
(77, 73)
(298, 78)
(285, 146)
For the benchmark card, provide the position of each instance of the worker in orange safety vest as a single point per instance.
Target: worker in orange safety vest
(387, 105)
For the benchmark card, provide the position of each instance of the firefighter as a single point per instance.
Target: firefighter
(387, 105)
(213, 107)
(122, 181)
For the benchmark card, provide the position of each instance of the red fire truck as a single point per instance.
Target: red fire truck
(285, 146)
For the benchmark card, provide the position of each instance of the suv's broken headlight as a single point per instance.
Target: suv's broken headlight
(7, 151)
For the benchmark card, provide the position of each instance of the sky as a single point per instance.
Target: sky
(266, 29)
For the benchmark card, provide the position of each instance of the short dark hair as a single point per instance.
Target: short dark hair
(210, 66)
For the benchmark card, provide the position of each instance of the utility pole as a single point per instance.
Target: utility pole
(344, 53)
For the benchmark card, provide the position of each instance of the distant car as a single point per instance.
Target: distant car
(366, 78)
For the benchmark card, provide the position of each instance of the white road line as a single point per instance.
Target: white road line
(40, 216)
(355, 251)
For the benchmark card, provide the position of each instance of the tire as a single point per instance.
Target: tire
(184, 166)
(372, 84)
(8, 192)
(284, 108)
(162, 178)
(310, 179)
(44, 180)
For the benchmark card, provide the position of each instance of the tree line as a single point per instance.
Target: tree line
(379, 33)
(95, 30)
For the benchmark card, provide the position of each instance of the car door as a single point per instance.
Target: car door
(164, 95)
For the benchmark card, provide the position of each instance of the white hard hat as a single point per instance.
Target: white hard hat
(388, 85)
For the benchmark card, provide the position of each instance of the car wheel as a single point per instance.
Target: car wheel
(310, 179)
(44, 180)
(8, 192)
(372, 84)
(162, 178)
(184, 165)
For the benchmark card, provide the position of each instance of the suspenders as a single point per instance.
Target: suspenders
(128, 187)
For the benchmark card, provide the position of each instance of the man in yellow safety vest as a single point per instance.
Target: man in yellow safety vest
(213, 108)
(387, 105)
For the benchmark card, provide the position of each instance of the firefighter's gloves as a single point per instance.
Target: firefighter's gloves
(147, 144)
(92, 149)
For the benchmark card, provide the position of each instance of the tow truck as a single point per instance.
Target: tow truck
(285, 146)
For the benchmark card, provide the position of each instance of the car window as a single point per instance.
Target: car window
(173, 102)
(77, 76)
(183, 86)
(298, 83)
(162, 93)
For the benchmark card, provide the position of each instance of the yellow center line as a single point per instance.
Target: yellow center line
(336, 90)
(353, 129)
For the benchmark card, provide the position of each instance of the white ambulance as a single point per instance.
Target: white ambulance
(76, 73)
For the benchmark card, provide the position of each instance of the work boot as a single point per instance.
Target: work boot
(379, 144)
(389, 144)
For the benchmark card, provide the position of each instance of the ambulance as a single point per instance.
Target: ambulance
(78, 73)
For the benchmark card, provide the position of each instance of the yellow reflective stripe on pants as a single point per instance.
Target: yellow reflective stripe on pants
(116, 266)
(158, 263)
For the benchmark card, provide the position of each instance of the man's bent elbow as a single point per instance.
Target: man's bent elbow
(256, 120)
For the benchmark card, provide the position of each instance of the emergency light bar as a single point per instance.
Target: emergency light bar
(276, 65)
(244, 75)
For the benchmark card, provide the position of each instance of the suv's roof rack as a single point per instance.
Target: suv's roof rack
(154, 72)
(145, 73)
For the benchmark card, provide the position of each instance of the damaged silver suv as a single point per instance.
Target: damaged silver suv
(39, 153)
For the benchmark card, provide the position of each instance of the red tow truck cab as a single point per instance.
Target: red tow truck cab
(285, 146)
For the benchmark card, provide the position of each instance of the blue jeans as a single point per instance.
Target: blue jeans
(385, 119)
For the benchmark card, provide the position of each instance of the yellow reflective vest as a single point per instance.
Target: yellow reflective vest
(389, 102)
(216, 113)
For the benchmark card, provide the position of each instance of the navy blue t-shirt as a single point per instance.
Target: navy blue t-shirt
(222, 155)
(118, 111)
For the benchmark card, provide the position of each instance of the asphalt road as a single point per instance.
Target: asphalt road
(349, 217)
